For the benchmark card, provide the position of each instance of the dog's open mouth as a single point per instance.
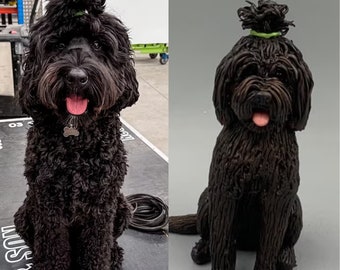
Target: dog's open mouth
(76, 105)
(261, 118)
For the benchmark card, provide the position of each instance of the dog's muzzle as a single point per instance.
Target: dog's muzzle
(76, 79)
(261, 101)
(261, 104)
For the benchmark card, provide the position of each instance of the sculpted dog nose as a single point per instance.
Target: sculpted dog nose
(263, 97)
(77, 77)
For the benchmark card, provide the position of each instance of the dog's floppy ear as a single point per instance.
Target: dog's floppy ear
(27, 95)
(127, 81)
(129, 87)
(301, 96)
(222, 91)
(27, 90)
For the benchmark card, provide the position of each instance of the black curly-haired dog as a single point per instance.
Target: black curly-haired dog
(78, 76)
(262, 95)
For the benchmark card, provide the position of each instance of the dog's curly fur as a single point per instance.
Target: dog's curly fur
(74, 210)
(251, 202)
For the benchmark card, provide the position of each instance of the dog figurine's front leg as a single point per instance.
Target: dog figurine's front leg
(222, 236)
(275, 220)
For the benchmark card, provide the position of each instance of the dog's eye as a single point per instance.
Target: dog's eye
(280, 74)
(248, 71)
(61, 46)
(96, 45)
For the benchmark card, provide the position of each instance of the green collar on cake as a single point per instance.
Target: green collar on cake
(264, 35)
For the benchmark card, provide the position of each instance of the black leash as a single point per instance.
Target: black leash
(149, 214)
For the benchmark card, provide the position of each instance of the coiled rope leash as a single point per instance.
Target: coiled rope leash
(149, 214)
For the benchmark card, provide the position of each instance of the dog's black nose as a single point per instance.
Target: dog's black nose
(263, 98)
(77, 77)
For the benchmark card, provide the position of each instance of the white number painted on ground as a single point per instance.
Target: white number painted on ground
(1, 145)
(16, 125)
(125, 135)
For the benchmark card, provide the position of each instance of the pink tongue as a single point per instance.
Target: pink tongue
(261, 119)
(76, 105)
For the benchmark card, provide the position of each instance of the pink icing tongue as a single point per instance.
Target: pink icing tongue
(76, 105)
(261, 119)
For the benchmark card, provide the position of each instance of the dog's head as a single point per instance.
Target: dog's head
(79, 62)
(264, 81)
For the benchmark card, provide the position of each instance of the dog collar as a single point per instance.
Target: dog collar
(264, 35)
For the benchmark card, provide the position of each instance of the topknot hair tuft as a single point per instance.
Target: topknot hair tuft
(267, 17)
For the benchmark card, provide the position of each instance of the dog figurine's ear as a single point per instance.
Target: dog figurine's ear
(301, 96)
(222, 91)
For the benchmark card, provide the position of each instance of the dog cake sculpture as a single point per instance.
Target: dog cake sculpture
(262, 95)
(78, 76)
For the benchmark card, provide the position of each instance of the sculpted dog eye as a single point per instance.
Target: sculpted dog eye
(281, 74)
(248, 71)
(96, 45)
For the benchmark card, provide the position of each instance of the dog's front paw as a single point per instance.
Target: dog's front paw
(284, 267)
(200, 253)
(117, 257)
(286, 259)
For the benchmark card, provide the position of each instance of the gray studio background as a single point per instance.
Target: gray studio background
(201, 33)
